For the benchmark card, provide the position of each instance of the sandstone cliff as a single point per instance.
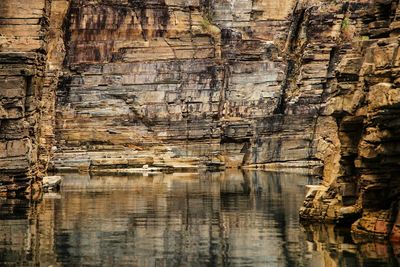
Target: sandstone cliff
(101, 85)
(169, 79)
(24, 98)
(360, 149)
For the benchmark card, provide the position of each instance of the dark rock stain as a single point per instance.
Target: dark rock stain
(92, 30)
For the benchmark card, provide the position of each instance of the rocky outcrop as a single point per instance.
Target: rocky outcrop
(363, 180)
(23, 95)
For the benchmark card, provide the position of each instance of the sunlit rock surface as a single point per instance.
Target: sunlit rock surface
(361, 178)
(193, 78)
(23, 95)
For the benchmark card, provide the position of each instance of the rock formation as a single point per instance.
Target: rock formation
(107, 86)
(24, 96)
(361, 172)
(190, 78)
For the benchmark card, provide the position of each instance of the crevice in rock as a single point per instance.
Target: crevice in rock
(293, 55)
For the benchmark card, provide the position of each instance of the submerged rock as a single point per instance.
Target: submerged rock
(52, 183)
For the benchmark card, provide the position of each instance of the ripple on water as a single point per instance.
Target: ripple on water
(234, 218)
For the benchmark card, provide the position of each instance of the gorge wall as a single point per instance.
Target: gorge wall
(176, 79)
(107, 86)
(361, 178)
(25, 98)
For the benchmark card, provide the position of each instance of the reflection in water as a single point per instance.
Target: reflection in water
(334, 247)
(235, 218)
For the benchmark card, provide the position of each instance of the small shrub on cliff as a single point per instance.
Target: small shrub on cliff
(347, 30)
(207, 26)
(345, 23)
(205, 23)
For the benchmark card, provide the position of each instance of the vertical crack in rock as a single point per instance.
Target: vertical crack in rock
(290, 73)
(292, 54)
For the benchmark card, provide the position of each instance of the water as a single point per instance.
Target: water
(235, 218)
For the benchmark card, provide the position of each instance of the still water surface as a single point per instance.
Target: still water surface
(234, 218)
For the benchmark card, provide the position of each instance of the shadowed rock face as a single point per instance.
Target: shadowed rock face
(102, 31)
(104, 85)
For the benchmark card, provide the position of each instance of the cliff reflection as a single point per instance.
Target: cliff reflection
(235, 218)
(333, 246)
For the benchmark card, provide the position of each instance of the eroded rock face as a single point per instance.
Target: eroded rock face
(364, 103)
(172, 79)
(101, 85)
(22, 93)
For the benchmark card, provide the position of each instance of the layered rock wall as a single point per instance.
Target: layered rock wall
(360, 178)
(23, 97)
(193, 79)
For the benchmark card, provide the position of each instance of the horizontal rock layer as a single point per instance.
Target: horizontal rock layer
(22, 95)
(191, 79)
